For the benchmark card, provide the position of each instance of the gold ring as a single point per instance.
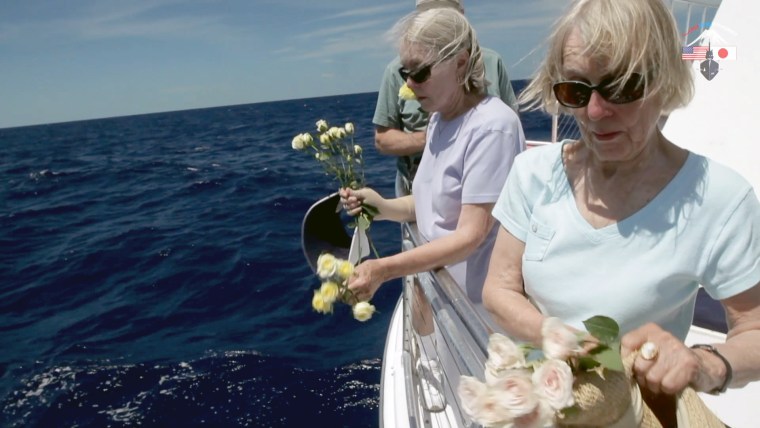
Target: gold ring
(649, 351)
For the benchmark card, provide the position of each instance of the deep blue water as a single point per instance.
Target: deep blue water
(151, 272)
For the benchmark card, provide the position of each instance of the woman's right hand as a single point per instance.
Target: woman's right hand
(352, 200)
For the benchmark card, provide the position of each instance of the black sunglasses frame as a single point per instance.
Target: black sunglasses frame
(421, 75)
(576, 94)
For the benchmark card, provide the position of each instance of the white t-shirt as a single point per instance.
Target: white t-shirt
(465, 161)
(702, 228)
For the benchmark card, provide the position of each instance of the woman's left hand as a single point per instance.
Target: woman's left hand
(365, 281)
(670, 368)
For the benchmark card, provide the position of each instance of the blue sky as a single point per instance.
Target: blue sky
(83, 59)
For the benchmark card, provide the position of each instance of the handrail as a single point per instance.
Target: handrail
(457, 342)
(454, 295)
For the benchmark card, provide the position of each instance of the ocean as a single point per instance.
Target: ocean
(151, 272)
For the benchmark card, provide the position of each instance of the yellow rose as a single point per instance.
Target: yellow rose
(345, 269)
(326, 265)
(298, 143)
(406, 93)
(321, 125)
(319, 303)
(334, 133)
(329, 291)
(363, 311)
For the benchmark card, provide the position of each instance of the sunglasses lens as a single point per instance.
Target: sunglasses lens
(631, 91)
(572, 94)
(419, 76)
(578, 94)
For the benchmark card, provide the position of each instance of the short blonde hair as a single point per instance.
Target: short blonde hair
(629, 36)
(440, 34)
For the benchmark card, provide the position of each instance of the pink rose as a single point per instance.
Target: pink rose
(503, 355)
(554, 383)
(542, 416)
(480, 403)
(514, 391)
(560, 341)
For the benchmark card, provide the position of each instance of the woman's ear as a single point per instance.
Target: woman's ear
(463, 58)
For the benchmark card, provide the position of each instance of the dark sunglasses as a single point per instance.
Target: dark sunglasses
(576, 94)
(419, 76)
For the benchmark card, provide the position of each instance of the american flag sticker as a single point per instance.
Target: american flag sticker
(690, 53)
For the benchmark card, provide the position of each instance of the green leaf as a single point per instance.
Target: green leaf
(370, 209)
(363, 222)
(573, 410)
(610, 358)
(587, 363)
(603, 328)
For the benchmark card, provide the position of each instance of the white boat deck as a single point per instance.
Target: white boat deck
(719, 123)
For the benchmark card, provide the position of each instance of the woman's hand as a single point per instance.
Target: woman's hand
(671, 367)
(366, 280)
(353, 200)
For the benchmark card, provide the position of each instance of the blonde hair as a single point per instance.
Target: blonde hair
(440, 34)
(628, 36)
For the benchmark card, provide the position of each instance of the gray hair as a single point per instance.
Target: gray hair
(629, 36)
(440, 34)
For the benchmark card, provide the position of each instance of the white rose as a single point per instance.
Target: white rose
(559, 341)
(321, 125)
(503, 355)
(363, 311)
(298, 143)
(325, 139)
(554, 382)
(349, 127)
(357, 149)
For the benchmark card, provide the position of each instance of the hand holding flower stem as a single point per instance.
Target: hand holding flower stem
(335, 150)
(335, 274)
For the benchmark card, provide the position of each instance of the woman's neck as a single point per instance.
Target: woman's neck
(463, 103)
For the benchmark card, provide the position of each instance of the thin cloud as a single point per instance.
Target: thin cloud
(336, 47)
(372, 11)
(508, 24)
(343, 29)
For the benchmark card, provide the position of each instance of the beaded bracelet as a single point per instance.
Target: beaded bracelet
(729, 370)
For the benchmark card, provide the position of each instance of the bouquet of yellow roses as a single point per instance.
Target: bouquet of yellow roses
(334, 148)
(334, 273)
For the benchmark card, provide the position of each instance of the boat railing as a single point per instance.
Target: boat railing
(445, 337)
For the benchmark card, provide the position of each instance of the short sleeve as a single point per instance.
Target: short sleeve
(506, 92)
(498, 79)
(387, 109)
(487, 162)
(512, 208)
(733, 264)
